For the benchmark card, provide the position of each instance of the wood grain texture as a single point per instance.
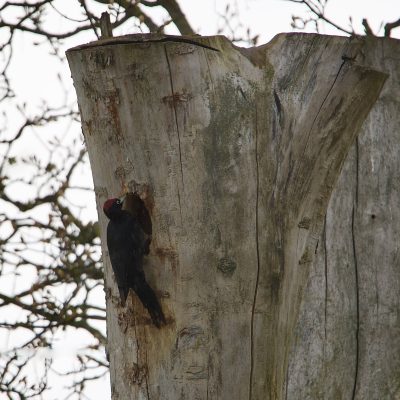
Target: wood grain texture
(235, 153)
(348, 342)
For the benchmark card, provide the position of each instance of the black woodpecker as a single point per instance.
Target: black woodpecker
(127, 244)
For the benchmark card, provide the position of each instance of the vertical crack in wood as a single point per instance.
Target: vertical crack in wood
(326, 296)
(258, 264)
(357, 169)
(137, 341)
(326, 276)
(287, 383)
(208, 375)
(357, 355)
(357, 307)
(147, 372)
(177, 125)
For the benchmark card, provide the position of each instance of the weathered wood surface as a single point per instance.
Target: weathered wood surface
(348, 336)
(235, 153)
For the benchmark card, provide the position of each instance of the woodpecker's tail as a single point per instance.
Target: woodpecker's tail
(150, 302)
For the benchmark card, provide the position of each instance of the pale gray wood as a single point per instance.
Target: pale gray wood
(353, 330)
(235, 152)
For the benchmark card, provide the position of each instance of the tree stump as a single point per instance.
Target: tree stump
(347, 342)
(235, 153)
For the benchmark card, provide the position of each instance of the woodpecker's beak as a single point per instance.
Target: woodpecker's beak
(122, 198)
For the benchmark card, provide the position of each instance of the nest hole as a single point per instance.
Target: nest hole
(136, 206)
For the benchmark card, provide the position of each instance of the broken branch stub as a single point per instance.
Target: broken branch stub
(237, 150)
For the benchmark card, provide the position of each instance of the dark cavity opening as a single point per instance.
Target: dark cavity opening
(135, 205)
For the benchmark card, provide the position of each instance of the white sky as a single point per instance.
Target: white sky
(263, 17)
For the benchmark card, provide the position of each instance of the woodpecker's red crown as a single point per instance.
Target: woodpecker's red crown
(111, 206)
(109, 203)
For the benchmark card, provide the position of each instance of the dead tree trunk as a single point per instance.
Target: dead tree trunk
(235, 153)
(348, 335)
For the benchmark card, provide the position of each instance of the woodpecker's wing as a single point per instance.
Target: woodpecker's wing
(126, 246)
(137, 237)
(127, 243)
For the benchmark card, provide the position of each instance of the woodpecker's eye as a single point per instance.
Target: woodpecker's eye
(118, 202)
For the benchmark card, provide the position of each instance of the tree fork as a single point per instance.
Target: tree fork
(235, 153)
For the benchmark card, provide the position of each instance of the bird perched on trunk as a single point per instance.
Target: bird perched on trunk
(127, 244)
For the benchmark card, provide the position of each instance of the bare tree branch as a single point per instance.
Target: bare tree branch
(177, 16)
(367, 29)
(317, 9)
(390, 26)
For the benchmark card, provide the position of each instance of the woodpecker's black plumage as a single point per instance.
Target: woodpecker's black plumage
(127, 244)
